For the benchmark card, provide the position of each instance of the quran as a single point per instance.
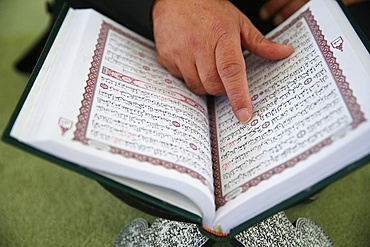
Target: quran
(99, 103)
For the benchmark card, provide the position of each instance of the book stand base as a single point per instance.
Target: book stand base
(276, 230)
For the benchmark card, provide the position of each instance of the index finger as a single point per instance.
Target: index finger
(231, 69)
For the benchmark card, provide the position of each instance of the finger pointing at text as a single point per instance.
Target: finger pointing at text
(200, 41)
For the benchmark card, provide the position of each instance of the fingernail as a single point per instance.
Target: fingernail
(264, 14)
(278, 19)
(243, 115)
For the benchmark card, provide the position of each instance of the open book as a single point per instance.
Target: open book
(99, 103)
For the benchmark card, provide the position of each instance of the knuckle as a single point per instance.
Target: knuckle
(220, 28)
(213, 84)
(193, 41)
(195, 86)
(230, 69)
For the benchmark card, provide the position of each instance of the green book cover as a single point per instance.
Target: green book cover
(150, 203)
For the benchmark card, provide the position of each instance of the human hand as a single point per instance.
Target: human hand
(279, 10)
(200, 41)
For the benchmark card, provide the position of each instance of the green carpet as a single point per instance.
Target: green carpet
(42, 204)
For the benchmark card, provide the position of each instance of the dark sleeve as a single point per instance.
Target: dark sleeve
(251, 9)
(134, 14)
(137, 14)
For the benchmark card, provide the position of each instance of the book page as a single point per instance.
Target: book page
(301, 105)
(133, 107)
(162, 193)
(110, 107)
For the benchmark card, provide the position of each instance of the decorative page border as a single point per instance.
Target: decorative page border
(88, 96)
(343, 85)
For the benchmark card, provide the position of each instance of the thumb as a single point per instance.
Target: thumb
(259, 45)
